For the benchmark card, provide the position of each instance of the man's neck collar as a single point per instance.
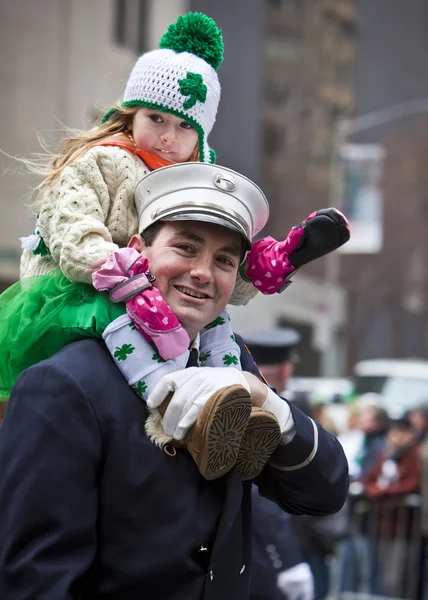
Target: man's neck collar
(196, 343)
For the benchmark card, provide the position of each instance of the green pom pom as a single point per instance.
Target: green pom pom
(198, 34)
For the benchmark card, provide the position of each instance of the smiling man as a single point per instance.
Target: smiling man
(91, 508)
(196, 266)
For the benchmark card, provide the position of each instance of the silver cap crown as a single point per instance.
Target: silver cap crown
(202, 192)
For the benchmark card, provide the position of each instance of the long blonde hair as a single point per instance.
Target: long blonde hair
(77, 142)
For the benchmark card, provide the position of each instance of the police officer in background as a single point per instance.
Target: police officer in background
(276, 350)
(279, 570)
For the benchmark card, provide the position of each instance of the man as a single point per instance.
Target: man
(396, 472)
(274, 352)
(91, 508)
(357, 562)
(279, 569)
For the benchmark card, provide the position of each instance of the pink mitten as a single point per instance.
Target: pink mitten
(271, 263)
(126, 277)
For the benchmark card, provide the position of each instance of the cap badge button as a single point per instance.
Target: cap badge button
(225, 182)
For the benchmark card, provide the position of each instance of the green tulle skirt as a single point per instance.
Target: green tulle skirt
(40, 315)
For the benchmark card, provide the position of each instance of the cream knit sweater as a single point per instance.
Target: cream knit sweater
(89, 211)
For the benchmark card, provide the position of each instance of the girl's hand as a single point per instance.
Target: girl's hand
(127, 278)
(270, 264)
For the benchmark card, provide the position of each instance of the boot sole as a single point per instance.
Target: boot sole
(259, 442)
(215, 447)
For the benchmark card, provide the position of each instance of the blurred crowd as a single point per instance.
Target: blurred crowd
(377, 544)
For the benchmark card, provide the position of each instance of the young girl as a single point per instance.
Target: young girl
(87, 215)
(87, 209)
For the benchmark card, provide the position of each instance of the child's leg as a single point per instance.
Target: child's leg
(142, 366)
(214, 439)
(138, 360)
(263, 433)
(218, 345)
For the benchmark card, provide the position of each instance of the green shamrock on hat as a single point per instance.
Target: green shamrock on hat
(194, 87)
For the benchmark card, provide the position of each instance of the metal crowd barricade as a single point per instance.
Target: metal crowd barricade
(384, 554)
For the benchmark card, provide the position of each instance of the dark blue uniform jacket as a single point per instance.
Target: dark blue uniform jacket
(90, 509)
(275, 548)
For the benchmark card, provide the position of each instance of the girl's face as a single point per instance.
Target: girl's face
(164, 135)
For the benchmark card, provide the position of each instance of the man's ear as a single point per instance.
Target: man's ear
(137, 243)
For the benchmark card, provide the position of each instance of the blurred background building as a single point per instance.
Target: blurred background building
(387, 291)
(292, 70)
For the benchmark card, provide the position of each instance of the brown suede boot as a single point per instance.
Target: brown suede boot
(260, 440)
(214, 441)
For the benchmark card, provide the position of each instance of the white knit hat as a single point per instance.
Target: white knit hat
(181, 77)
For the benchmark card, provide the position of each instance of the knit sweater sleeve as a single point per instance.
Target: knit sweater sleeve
(243, 292)
(91, 198)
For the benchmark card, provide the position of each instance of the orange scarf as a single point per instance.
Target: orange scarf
(123, 141)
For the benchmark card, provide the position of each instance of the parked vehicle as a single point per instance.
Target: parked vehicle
(401, 384)
(322, 389)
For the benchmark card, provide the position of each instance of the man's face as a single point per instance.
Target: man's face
(195, 265)
(278, 374)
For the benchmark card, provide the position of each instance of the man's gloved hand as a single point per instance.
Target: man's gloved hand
(297, 583)
(270, 263)
(192, 388)
(125, 275)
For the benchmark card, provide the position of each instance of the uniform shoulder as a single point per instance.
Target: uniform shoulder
(247, 361)
(84, 357)
(88, 366)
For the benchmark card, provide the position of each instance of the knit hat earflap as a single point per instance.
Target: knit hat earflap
(181, 77)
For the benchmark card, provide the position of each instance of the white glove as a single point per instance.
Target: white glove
(192, 388)
(297, 583)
